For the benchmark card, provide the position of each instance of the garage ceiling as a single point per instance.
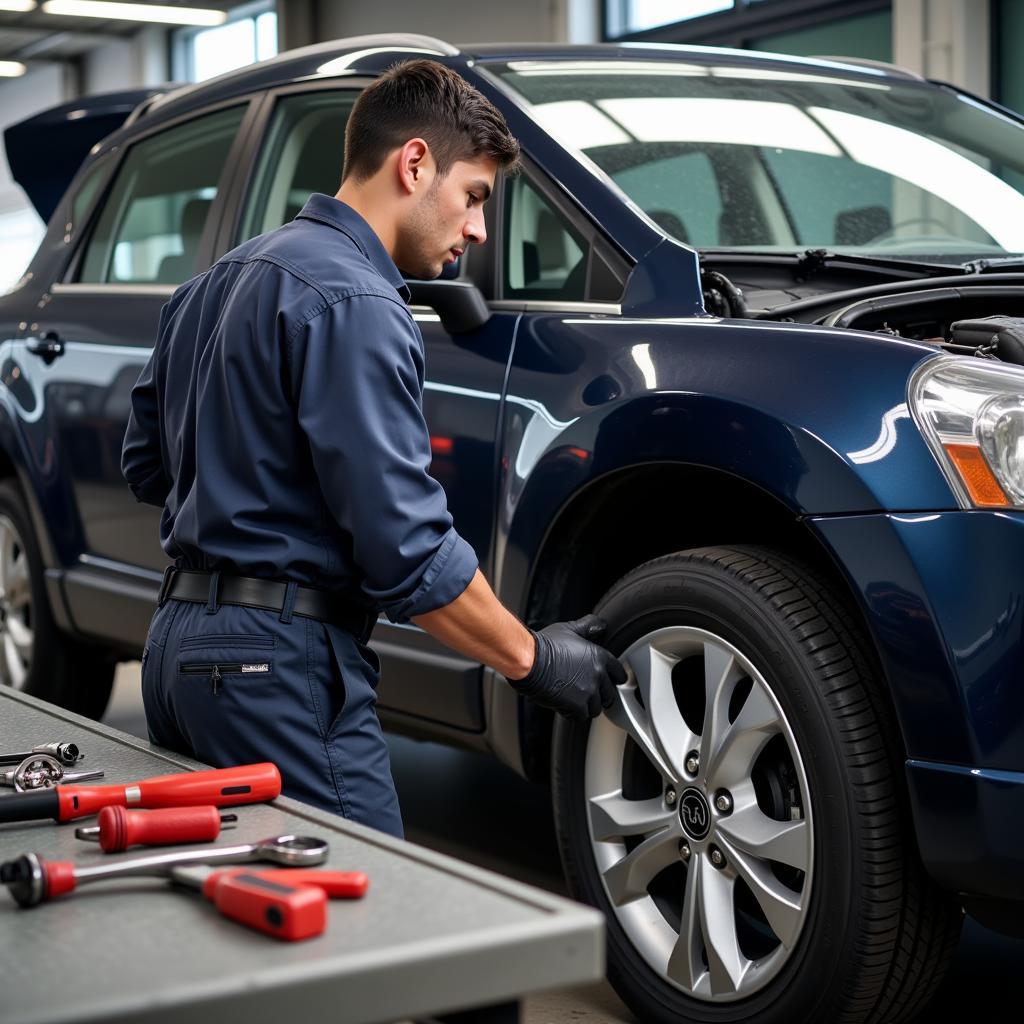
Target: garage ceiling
(36, 35)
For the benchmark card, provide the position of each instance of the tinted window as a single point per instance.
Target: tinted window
(302, 154)
(544, 257)
(86, 193)
(150, 228)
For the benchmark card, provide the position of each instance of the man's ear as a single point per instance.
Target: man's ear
(415, 165)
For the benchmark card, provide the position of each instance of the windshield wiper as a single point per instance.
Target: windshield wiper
(995, 263)
(810, 261)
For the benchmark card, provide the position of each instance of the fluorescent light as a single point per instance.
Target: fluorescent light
(20, 6)
(135, 12)
(736, 122)
(579, 124)
(11, 68)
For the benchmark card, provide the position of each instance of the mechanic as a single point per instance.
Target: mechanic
(279, 426)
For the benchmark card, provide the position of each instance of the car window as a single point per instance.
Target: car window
(150, 227)
(86, 193)
(544, 257)
(302, 154)
(679, 193)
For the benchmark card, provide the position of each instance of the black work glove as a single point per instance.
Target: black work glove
(571, 673)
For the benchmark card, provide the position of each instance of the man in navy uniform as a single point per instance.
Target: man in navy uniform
(279, 426)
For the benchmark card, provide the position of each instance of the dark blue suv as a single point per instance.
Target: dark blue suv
(738, 368)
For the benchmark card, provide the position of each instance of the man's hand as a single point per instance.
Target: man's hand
(571, 674)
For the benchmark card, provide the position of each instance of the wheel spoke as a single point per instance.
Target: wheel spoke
(721, 673)
(726, 963)
(6, 556)
(629, 715)
(685, 965)
(612, 816)
(752, 832)
(653, 671)
(627, 879)
(15, 669)
(781, 906)
(21, 637)
(16, 585)
(741, 743)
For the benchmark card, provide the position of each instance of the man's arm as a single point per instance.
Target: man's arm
(142, 462)
(479, 626)
(560, 667)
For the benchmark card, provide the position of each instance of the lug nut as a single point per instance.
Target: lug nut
(717, 858)
(692, 762)
(684, 851)
(724, 802)
(670, 797)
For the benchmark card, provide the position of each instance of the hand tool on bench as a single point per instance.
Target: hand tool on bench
(222, 787)
(118, 828)
(67, 753)
(338, 885)
(42, 771)
(32, 880)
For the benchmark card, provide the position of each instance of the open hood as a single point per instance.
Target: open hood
(46, 150)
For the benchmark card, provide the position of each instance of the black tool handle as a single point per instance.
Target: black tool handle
(30, 806)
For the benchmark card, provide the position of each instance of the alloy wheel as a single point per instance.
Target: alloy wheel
(16, 633)
(699, 815)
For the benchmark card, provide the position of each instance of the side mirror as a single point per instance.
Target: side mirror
(459, 304)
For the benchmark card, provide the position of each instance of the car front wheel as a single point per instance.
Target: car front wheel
(737, 813)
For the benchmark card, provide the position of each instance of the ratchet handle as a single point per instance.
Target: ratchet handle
(287, 912)
(344, 885)
(120, 828)
(221, 787)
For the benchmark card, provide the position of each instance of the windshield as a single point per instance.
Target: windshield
(781, 158)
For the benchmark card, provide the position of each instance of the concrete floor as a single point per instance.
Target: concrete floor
(473, 808)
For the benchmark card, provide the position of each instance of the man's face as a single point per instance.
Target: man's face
(446, 219)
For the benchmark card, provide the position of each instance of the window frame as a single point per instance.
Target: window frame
(205, 254)
(263, 115)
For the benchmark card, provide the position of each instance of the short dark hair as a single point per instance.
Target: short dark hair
(424, 99)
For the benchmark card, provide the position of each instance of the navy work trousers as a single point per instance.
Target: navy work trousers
(233, 685)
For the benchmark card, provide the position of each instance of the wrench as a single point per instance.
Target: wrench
(33, 880)
(40, 771)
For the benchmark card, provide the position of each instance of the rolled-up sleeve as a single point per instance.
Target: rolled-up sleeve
(357, 381)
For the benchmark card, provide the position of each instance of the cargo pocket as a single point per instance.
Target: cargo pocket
(222, 660)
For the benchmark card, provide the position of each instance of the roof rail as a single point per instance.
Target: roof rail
(880, 65)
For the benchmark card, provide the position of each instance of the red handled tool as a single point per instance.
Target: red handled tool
(221, 787)
(337, 885)
(119, 828)
(262, 901)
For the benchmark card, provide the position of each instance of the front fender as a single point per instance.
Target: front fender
(816, 418)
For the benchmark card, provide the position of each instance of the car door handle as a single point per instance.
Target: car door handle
(49, 347)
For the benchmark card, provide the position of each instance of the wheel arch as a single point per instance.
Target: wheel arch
(657, 502)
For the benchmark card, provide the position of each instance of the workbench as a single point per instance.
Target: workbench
(431, 937)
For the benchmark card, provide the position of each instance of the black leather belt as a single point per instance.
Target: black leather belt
(252, 592)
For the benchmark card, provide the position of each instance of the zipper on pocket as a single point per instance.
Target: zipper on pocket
(216, 671)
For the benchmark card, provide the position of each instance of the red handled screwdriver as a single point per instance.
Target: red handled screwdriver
(119, 828)
(222, 787)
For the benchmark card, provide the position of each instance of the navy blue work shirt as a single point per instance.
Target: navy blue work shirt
(279, 422)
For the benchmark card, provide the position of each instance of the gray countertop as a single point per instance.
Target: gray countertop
(431, 935)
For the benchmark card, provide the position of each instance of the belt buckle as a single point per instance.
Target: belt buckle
(165, 585)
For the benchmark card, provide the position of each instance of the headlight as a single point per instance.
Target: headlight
(971, 413)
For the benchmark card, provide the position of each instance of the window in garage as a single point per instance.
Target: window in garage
(302, 154)
(249, 35)
(150, 228)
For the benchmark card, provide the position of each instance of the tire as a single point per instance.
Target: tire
(755, 652)
(35, 657)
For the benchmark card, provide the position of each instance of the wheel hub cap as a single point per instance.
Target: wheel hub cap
(695, 814)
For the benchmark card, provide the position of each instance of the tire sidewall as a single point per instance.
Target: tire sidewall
(703, 596)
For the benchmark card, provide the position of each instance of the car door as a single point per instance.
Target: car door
(303, 134)
(152, 229)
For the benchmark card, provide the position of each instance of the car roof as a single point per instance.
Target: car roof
(371, 54)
